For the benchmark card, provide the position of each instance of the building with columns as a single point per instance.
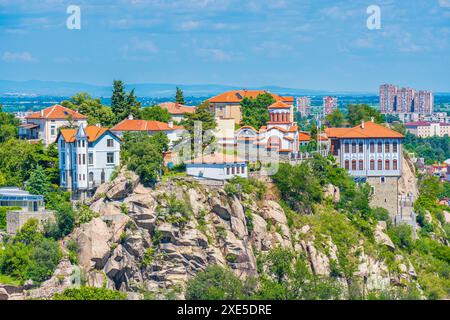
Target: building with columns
(371, 153)
(87, 157)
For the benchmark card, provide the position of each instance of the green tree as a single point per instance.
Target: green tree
(143, 154)
(215, 283)
(96, 112)
(8, 125)
(335, 119)
(39, 182)
(358, 112)
(203, 115)
(156, 113)
(179, 97)
(254, 111)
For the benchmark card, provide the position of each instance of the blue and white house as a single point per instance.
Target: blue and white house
(217, 167)
(87, 157)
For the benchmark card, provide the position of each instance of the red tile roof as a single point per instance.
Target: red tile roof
(56, 112)
(303, 136)
(176, 108)
(279, 105)
(143, 125)
(236, 96)
(370, 130)
(92, 132)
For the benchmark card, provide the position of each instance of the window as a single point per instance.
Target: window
(84, 158)
(79, 159)
(53, 130)
(394, 164)
(353, 147)
(372, 147)
(354, 165)
(238, 170)
(82, 143)
(243, 169)
(380, 147)
(372, 164)
(102, 177)
(394, 147)
(380, 164)
(228, 171)
(386, 165)
(91, 177)
(110, 158)
(383, 180)
(387, 147)
(361, 147)
(110, 143)
(63, 158)
(232, 170)
(347, 148)
(347, 165)
(90, 158)
(361, 165)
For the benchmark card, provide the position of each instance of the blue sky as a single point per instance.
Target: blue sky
(309, 44)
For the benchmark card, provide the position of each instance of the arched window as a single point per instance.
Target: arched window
(354, 147)
(387, 147)
(354, 165)
(238, 169)
(394, 164)
(361, 147)
(386, 165)
(380, 147)
(394, 147)
(232, 170)
(347, 165)
(228, 171)
(361, 165)
(372, 164)
(380, 164)
(91, 177)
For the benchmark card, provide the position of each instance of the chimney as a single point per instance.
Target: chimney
(42, 113)
(362, 124)
(372, 119)
(130, 117)
(98, 125)
(170, 124)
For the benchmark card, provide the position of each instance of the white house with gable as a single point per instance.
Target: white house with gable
(87, 157)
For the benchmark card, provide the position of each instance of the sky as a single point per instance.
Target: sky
(303, 44)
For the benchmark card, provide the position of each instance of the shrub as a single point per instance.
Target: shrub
(381, 214)
(402, 236)
(90, 293)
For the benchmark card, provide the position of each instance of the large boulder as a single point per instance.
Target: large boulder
(272, 211)
(93, 240)
(124, 184)
(383, 238)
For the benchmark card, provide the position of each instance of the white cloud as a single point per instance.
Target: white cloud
(444, 3)
(215, 54)
(188, 25)
(18, 57)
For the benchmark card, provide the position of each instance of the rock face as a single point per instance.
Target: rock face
(156, 239)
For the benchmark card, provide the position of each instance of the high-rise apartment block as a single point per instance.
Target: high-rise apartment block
(304, 106)
(395, 100)
(329, 104)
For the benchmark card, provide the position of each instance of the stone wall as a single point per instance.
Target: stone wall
(385, 194)
(16, 219)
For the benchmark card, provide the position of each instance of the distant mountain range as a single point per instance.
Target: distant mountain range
(56, 88)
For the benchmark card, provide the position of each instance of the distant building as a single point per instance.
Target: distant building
(151, 127)
(176, 110)
(440, 117)
(228, 104)
(29, 206)
(217, 167)
(428, 129)
(87, 157)
(44, 125)
(329, 105)
(388, 98)
(304, 106)
(372, 153)
(395, 100)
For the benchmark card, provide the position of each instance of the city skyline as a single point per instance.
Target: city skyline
(321, 45)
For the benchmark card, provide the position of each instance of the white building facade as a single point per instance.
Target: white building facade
(87, 157)
(217, 167)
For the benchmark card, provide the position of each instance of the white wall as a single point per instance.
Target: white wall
(215, 171)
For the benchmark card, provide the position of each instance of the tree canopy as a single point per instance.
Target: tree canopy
(123, 104)
(96, 112)
(156, 113)
(179, 97)
(254, 111)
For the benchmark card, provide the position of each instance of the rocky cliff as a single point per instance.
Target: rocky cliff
(152, 241)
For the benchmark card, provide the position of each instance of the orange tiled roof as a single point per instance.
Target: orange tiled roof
(92, 132)
(57, 112)
(236, 96)
(303, 136)
(279, 105)
(176, 108)
(288, 99)
(143, 125)
(218, 158)
(370, 130)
